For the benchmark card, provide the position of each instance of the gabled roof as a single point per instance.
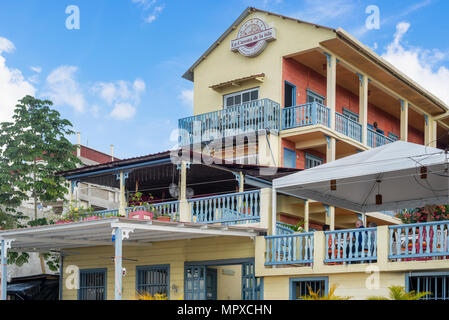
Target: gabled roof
(341, 35)
(189, 74)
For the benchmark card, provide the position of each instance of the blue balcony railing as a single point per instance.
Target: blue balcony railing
(419, 241)
(305, 115)
(232, 121)
(234, 208)
(348, 127)
(296, 248)
(376, 139)
(356, 245)
(168, 209)
(284, 228)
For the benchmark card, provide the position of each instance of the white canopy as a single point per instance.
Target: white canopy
(394, 171)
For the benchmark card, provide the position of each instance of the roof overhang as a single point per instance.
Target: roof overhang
(99, 233)
(366, 60)
(238, 82)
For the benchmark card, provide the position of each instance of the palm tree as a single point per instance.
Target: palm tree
(331, 296)
(399, 293)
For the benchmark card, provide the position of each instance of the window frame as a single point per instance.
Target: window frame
(151, 268)
(315, 96)
(350, 115)
(410, 275)
(309, 156)
(294, 93)
(240, 93)
(98, 270)
(293, 281)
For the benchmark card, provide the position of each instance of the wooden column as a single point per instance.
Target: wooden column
(331, 87)
(404, 120)
(363, 106)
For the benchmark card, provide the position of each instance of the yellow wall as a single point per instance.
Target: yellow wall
(174, 253)
(229, 286)
(348, 285)
(292, 37)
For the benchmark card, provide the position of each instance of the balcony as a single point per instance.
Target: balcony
(249, 117)
(305, 115)
(225, 209)
(348, 127)
(394, 245)
(235, 208)
(376, 139)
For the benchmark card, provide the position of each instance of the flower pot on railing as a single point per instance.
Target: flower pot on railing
(164, 218)
(141, 215)
(91, 218)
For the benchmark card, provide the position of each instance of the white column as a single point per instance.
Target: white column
(363, 106)
(331, 87)
(5, 245)
(273, 212)
(430, 131)
(404, 120)
(118, 263)
(306, 215)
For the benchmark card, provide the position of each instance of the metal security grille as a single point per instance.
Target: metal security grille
(301, 288)
(252, 287)
(92, 285)
(438, 285)
(195, 283)
(153, 280)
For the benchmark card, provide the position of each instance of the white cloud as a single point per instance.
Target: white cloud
(122, 95)
(6, 45)
(421, 65)
(13, 86)
(63, 88)
(186, 97)
(147, 5)
(36, 69)
(123, 111)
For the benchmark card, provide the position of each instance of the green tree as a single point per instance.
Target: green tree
(33, 148)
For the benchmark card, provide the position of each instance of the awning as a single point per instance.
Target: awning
(405, 175)
(100, 233)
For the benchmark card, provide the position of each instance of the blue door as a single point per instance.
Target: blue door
(289, 158)
(252, 287)
(211, 284)
(195, 283)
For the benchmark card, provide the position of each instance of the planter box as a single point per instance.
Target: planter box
(163, 218)
(91, 218)
(141, 215)
(62, 222)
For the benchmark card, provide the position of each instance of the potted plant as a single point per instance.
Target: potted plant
(298, 228)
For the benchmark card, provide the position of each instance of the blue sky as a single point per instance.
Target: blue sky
(118, 78)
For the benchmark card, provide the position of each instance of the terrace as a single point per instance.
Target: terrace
(396, 247)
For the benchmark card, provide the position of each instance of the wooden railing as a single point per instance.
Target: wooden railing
(296, 248)
(420, 241)
(234, 208)
(348, 127)
(356, 245)
(305, 115)
(376, 139)
(248, 117)
(170, 209)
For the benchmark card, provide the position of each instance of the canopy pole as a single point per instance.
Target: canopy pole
(306, 215)
(5, 245)
(273, 211)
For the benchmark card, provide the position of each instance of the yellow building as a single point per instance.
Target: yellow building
(273, 95)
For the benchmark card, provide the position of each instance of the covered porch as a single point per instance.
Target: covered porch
(103, 259)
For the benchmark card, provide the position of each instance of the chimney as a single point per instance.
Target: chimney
(112, 152)
(78, 148)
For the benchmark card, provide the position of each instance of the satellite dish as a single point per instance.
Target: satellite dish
(173, 189)
(189, 193)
